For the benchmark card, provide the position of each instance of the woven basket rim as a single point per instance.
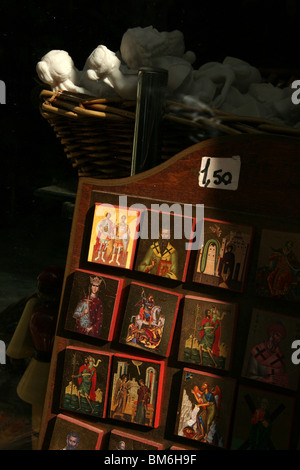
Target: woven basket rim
(56, 104)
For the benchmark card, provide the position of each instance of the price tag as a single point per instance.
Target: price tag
(220, 173)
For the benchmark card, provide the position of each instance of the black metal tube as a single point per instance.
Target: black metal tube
(151, 97)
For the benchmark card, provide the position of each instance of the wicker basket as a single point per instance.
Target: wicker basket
(97, 134)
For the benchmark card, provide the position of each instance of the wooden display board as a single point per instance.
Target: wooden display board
(249, 186)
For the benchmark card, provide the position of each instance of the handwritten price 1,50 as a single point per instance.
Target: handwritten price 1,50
(221, 173)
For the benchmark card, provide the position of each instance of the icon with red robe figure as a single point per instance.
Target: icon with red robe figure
(207, 332)
(89, 310)
(87, 381)
(204, 407)
(149, 318)
(209, 405)
(93, 304)
(278, 266)
(114, 234)
(210, 334)
(268, 349)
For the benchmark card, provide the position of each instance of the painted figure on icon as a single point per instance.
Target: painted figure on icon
(104, 236)
(222, 260)
(201, 422)
(161, 258)
(147, 325)
(267, 362)
(278, 270)
(114, 235)
(204, 407)
(207, 332)
(121, 239)
(112, 240)
(72, 441)
(89, 311)
(210, 332)
(85, 379)
(134, 391)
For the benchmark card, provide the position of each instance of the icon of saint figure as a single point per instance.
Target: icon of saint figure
(89, 310)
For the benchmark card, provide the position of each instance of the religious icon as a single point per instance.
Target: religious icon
(114, 235)
(262, 420)
(71, 434)
(223, 258)
(94, 304)
(204, 409)
(165, 245)
(207, 332)
(268, 351)
(136, 388)
(149, 318)
(120, 440)
(85, 381)
(278, 270)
